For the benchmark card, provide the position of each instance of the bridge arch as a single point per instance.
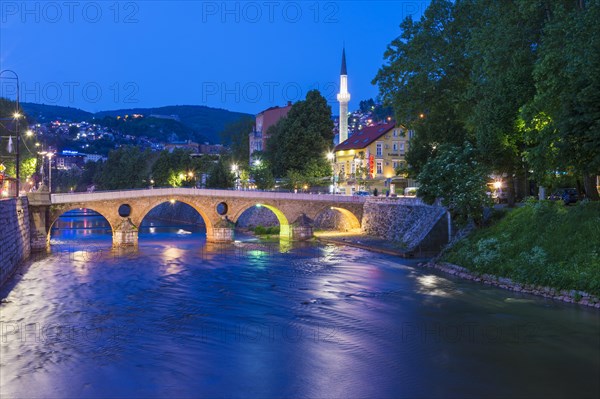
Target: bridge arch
(57, 212)
(284, 223)
(140, 213)
(349, 220)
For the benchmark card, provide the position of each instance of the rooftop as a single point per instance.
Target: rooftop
(366, 136)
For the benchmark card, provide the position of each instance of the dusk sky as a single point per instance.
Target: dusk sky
(241, 56)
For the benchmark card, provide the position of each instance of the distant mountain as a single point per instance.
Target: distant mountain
(204, 121)
(46, 113)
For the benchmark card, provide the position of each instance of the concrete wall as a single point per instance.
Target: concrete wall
(14, 235)
(417, 227)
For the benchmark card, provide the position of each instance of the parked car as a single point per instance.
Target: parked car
(362, 193)
(567, 195)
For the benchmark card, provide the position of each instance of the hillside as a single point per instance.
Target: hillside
(46, 113)
(207, 121)
(194, 121)
(543, 243)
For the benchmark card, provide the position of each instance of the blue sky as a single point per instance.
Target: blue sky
(241, 56)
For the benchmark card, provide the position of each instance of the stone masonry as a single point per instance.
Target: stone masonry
(14, 235)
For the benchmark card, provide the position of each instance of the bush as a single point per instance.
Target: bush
(543, 243)
(261, 230)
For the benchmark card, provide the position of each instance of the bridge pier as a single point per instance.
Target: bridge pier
(39, 204)
(302, 228)
(125, 234)
(223, 231)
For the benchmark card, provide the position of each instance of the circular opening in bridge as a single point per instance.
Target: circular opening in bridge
(125, 210)
(222, 208)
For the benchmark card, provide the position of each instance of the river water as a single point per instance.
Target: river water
(181, 318)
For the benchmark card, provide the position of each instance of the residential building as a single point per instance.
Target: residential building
(370, 157)
(264, 120)
(186, 145)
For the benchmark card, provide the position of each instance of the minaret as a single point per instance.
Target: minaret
(343, 97)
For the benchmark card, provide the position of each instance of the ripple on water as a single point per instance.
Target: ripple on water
(175, 320)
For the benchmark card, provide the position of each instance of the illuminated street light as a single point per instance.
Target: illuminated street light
(50, 155)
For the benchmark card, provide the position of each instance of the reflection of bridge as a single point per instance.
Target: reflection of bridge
(220, 209)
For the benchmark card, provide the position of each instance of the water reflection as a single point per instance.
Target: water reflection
(80, 224)
(183, 318)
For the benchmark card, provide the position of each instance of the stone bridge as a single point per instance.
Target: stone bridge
(220, 209)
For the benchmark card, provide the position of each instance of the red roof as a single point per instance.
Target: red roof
(364, 137)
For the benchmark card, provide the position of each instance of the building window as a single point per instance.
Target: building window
(395, 134)
(343, 169)
(395, 165)
(379, 149)
(402, 148)
(411, 134)
(395, 146)
(353, 167)
(379, 167)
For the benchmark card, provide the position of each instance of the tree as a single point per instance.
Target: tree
(502, 45)
(27, 150)
(426, 76)
(458, 179)
(565, 113)
(302, 138)
(263, 177)
(127, 167)
(220, 175)
(235, 135)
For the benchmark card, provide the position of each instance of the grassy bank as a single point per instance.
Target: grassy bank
(543, 243)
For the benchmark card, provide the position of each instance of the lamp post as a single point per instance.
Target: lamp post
(236, 171)
(50, 155)
(331, 158)
(17, 116)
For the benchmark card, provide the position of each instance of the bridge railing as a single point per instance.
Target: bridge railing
(157, 192)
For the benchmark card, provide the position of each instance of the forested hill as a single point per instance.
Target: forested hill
(204, 121)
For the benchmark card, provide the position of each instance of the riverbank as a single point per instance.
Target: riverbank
(379, 245)
(359, 240)
(569, 296)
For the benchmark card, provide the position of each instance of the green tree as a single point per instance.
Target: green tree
(426, 77)
(220, 175)
(263, 177)
(458, 179)
(235, 135)
(564, 117)
(126, 168)
(302, 138)
(27, 149)
(502, 45)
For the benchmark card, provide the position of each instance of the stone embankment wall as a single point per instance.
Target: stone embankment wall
(412, 224)
(14, 235)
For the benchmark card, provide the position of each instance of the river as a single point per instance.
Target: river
(181, 318)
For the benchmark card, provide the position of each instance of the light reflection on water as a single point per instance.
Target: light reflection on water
(183, 318)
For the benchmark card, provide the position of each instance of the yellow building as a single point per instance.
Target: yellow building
(370, 157)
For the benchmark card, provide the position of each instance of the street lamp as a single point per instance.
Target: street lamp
(50, 155)
(236, 171)
(331, 158)
(16, 116)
